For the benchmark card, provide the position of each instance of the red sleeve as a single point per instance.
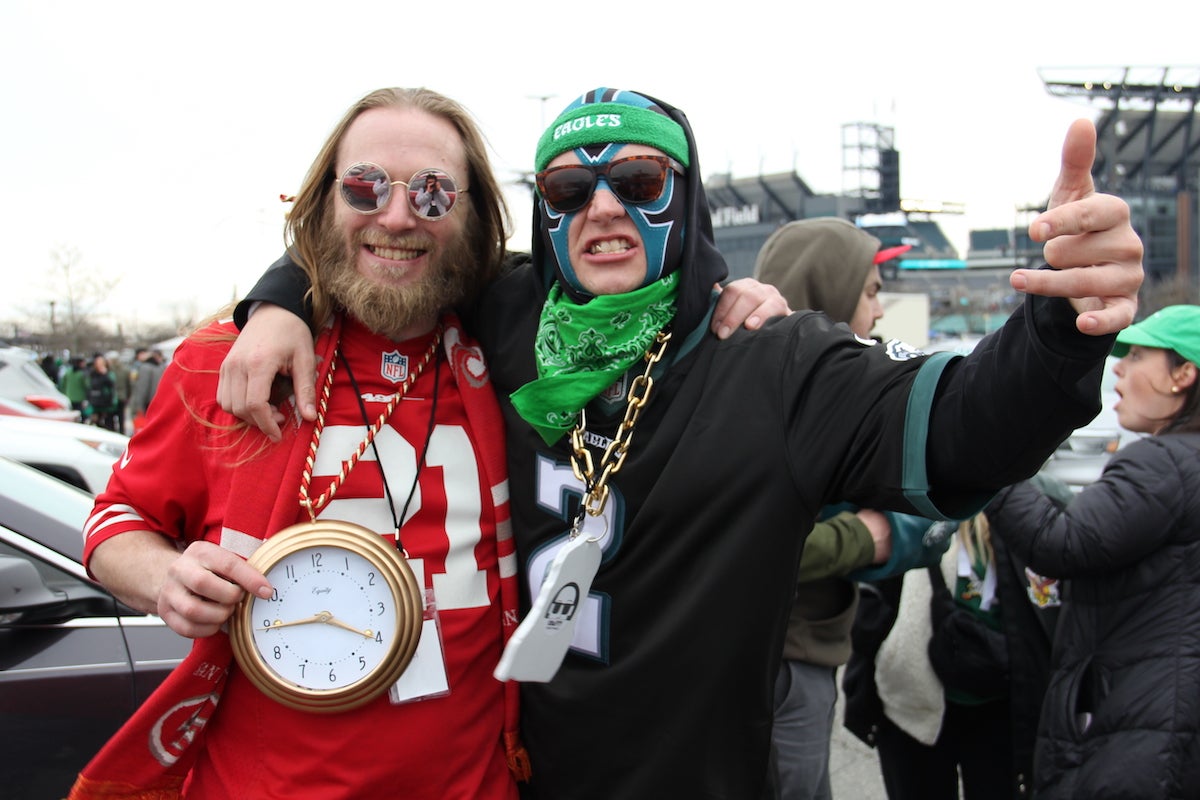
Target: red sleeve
(174, 466)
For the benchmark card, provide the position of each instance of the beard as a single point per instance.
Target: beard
(393, 311)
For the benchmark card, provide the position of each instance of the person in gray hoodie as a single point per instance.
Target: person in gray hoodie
(828, 264)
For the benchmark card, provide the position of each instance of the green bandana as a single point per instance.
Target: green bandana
(581, 350)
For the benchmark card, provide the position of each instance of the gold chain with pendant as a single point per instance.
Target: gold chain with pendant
(614, 454)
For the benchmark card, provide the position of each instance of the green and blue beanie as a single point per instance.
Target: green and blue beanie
(604, 116)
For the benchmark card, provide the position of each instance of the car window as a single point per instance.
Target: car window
(41, 520)
(43, 508)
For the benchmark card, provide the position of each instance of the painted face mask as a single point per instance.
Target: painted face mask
(595, 127)
(659, 220)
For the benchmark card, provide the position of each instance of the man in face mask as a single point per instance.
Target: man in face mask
(671, 475)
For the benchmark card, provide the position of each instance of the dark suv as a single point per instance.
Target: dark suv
(74, 661)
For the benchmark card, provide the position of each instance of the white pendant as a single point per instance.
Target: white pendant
(538, 646)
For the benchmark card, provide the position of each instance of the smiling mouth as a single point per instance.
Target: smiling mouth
(610, 246)
(395, 253)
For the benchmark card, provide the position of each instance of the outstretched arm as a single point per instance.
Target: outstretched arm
(1090, 243)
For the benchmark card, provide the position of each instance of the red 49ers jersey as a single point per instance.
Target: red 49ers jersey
(443, 746)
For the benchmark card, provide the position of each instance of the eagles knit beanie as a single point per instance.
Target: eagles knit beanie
(604, 116)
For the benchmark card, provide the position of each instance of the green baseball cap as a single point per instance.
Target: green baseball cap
(1172, 328)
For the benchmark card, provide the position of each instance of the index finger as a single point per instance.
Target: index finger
(255, 403)
(235, 569)
(304, 376)
(234, 394)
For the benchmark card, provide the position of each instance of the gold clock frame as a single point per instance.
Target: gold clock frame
(406, 596)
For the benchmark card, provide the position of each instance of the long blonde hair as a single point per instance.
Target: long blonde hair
(975, 537)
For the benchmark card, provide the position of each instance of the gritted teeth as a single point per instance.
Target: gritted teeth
(610, 246)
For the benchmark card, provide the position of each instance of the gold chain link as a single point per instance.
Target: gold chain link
(614, 454)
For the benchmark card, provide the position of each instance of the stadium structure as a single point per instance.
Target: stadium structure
(1148, 138)
(1148, 152)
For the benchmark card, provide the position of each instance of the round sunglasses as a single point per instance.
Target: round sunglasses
(635, 179)
(431, 193)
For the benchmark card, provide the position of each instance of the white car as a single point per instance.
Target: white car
(81, 455)
(26, 391)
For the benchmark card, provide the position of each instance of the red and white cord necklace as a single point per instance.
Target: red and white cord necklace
(314, 505)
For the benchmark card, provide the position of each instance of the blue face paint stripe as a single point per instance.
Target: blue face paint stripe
(655, 235)
(557, 226)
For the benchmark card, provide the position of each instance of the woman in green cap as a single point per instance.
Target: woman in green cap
(1121, 717)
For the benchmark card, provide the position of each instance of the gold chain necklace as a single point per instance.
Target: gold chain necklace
(614, 454)
(313, 506)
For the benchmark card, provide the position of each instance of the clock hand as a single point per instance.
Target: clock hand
(323, 616)
(332, 620)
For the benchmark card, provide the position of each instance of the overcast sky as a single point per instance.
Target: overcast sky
(152, 139)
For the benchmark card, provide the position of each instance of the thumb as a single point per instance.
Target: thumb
(1075, 175)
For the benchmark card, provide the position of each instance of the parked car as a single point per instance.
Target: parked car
(12, 407)
(82, 455)
(25, 390)
(74, 661)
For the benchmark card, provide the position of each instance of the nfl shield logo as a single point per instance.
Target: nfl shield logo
(394, 366)
(617, 392)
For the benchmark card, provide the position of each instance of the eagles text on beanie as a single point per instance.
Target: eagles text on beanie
(611, 121)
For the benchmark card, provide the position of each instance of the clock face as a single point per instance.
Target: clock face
(330, 622)
(343, 622)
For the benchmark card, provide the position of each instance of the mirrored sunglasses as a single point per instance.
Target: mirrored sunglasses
(431, 193)
(635, 179)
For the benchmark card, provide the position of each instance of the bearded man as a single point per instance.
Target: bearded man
(409, 443)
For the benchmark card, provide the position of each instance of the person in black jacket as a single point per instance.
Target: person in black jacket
(1121, 717)
(702, 462)
(947, 683)
(101, 393)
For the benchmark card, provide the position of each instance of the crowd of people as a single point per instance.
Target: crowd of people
(618, 485)
(106, 390)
